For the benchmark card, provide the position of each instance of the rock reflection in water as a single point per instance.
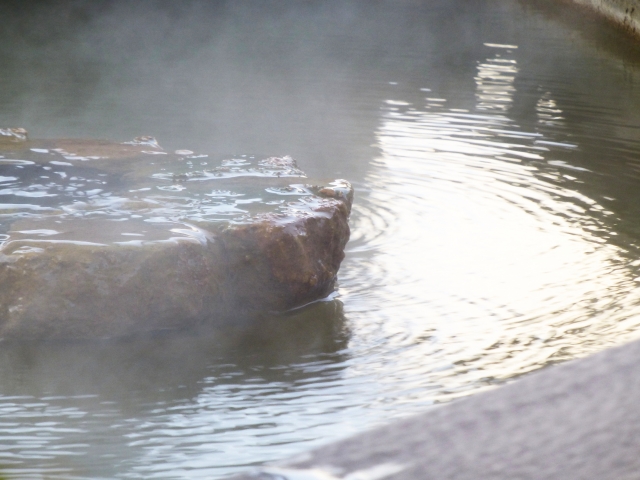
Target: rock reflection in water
(204, 387)
(495, 231)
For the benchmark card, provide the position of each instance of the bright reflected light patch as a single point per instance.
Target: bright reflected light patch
(500, 45)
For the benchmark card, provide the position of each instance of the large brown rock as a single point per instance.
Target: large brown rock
(103, 239)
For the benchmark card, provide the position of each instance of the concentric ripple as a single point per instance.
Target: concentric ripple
(493, 147)
(482, 266)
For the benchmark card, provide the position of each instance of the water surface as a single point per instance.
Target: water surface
(493, 146)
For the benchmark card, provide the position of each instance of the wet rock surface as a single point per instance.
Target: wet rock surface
(102, 239)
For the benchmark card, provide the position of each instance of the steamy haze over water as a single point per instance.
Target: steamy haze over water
(493, 147)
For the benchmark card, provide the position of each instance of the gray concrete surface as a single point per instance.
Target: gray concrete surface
(626, 13)
(579, 420)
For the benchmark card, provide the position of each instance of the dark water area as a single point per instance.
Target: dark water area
(494, 148)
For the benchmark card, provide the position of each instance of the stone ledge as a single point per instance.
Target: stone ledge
(104, 239)
(579, 420)
(625, 13)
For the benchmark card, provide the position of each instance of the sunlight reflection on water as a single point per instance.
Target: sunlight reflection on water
(496, 268)
(494, 231)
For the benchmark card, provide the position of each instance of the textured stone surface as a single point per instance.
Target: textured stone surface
(625, 13)
(578, 421)
(103, 239)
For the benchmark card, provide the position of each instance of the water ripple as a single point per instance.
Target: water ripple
(495, 230)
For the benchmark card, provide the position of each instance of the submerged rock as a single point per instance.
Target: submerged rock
(12, 135)
(101, 239)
